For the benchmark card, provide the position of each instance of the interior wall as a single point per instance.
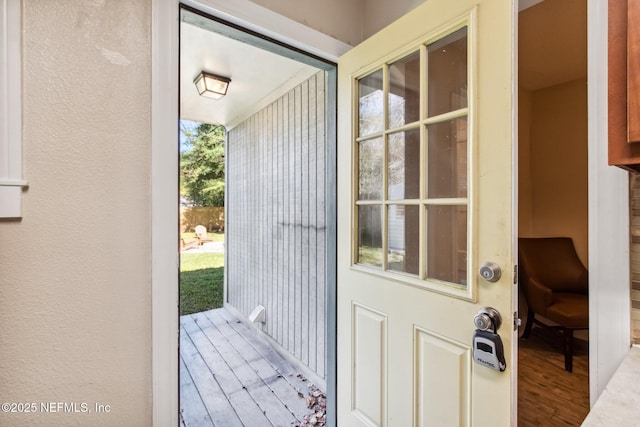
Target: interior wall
(345, 26)
(357, 20)
(75, 288)
(377, 14)
(525, 220)
(553, 164)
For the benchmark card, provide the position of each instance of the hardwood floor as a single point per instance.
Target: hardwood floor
(547, 394)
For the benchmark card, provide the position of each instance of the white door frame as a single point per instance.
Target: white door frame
(608, 193)
(609, 273)
(165, 261)
(164, 185)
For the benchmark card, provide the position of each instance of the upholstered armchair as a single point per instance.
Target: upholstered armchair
(555, 285)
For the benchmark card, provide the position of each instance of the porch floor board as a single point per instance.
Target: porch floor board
(228, 377)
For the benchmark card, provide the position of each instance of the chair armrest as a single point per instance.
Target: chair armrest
(539, 297)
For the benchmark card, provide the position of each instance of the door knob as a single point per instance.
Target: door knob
(487, 318)
(487, 345)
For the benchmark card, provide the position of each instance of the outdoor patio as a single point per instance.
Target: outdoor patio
(230, 377)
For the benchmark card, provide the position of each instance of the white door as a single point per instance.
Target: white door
(425, 197)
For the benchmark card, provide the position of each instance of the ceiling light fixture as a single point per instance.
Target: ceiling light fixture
(211, 85)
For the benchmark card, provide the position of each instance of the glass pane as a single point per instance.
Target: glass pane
(370, 111)
(403, 238)
(447, 73)
(370, 160)
(404, 91)
(447, 243)
(404, 165)
(370, 235)
(447, 159)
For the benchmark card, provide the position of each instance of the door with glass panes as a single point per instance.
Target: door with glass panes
(425, 197)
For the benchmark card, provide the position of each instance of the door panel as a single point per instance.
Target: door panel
(369, 351)
(437, 357)
(425, 196)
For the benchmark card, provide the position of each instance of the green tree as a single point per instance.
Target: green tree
(202, 164)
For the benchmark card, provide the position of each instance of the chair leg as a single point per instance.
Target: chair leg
(528, 325)
(568, 349)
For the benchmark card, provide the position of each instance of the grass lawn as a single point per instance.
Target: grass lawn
(201, 281)
(216, 237)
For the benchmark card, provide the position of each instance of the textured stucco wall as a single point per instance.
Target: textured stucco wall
(75, 282)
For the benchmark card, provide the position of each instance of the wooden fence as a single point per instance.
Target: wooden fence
(212, 218)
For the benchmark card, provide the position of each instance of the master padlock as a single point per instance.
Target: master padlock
(487, 344)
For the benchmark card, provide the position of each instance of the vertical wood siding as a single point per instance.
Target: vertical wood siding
(276, 238)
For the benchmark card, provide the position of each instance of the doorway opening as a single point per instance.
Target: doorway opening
(268, 355)
(201, 216)
(552, 196)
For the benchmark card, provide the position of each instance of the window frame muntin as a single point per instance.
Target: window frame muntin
(468, 291)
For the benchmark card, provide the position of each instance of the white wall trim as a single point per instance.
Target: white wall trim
(264, 21)
(11, 182)
(164, 212)
(609, 275)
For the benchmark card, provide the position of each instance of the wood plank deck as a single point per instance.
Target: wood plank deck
(230, 378)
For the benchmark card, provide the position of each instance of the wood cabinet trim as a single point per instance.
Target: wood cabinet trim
(621, 153)
(633, 71)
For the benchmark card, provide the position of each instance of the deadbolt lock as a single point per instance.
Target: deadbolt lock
(490, 271)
